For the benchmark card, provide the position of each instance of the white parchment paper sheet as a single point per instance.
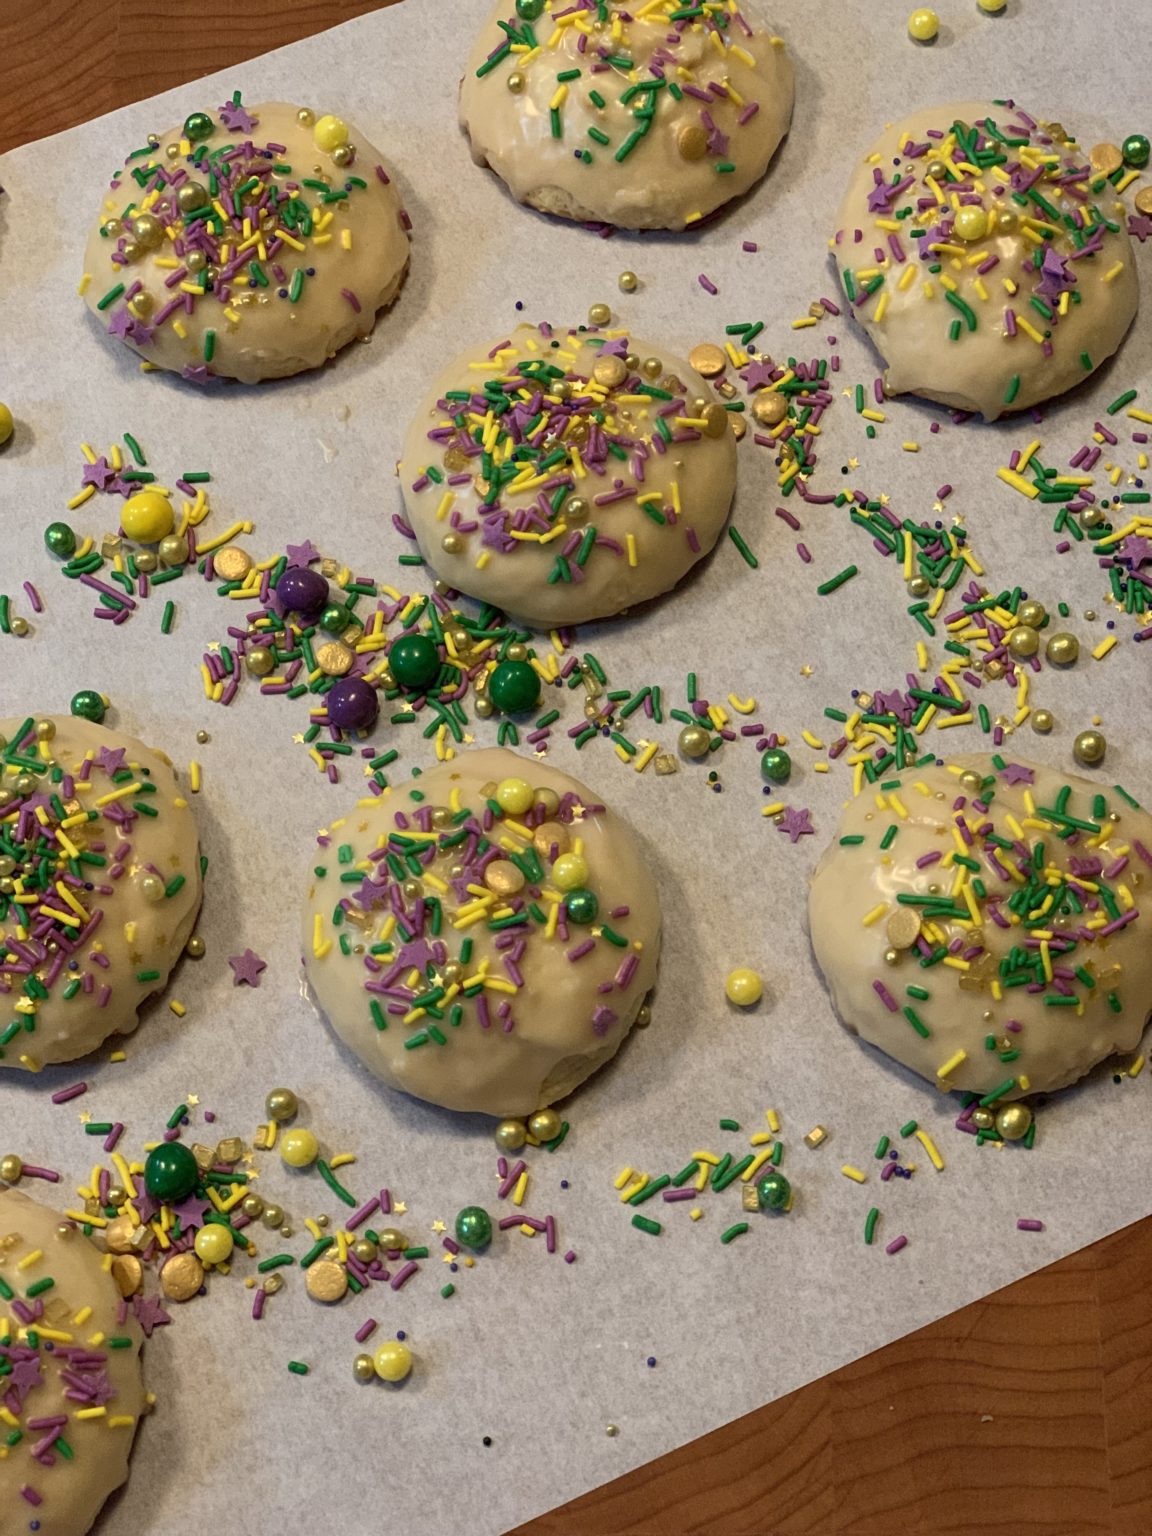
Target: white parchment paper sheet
(535, 1353)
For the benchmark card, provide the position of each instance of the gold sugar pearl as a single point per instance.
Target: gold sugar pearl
(326, 1281)
(651, 368)
(515, 82)
(769, 407)
(715, 419)
(549, 835)
(692, 141)
(610, 371)
(452, 544)
(708, 360)
(504, 877)
(1105, 158)
(629, 282)
(231, 563)
(599, 314)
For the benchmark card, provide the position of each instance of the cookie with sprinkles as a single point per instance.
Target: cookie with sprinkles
(100, 883)
(483, 936)
(565, 475)
(985, 257)
(985, 923)
(71, 1392)
(650, 116)
(246, 244)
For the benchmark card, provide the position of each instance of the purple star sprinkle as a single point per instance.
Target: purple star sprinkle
(246, 968)
(100, 474)
(796, 823)
(236, 119)
(1016, 773)
(302, 554)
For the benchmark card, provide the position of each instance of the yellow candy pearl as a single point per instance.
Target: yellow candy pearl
(299, 1148)
(214, 1245)
(992, 7)
(393, 1361)
(923, 25)
(330, 133)
(570, 871)
(970, 223)
(514, 796)
(744, 987)
(7, 425)
(147, 517)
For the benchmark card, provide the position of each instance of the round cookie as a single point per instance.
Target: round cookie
(1037, 941)
(503, 939)
(985, 258)
(646, 117)
(247, 244)
(612, 473)
(93, 825)
(73, 1386)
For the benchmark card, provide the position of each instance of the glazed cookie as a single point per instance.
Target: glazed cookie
(94, 827)
(247, 244)
(981, 923)
(69, 1372)
(500, 943)
(986, 259)
(567, 475)
(647, 117)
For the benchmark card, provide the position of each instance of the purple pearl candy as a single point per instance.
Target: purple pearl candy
(353, 704)
(302, 591)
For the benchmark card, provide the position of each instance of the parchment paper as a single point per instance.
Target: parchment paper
(538, 1354)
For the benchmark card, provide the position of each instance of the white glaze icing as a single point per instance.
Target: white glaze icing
(258, 333)
(554, 1043)
(912, 329)
(135, 937)
(655, 186)
(72, 1489)
(702, 468)
(1056, 1045)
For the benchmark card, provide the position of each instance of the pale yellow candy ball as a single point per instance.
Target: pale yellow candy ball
(214, 1244)
(923, 25)
(570, 871)
(7, 425)
(514, 796)
(148, 517)
(971, 223)
(393, 1361)
(330, 133)
(744, 987)
(299, 1147)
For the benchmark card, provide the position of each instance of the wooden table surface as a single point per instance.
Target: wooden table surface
(1030, 1411)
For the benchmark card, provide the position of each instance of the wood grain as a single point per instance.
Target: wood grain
(1030, 1411)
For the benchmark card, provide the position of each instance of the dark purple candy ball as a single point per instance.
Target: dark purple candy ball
(303, 591)
(353, 704)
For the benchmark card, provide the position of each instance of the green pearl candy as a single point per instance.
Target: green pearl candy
(776, 766)
(335, 619)
(474, 1227)
(198, 127)
(88, 705)
(1136, 150)
(529, 10)
(415, 661)
(60, 540)
(170, 1173)
(582, 906)
(514, 687)
(773, 1191)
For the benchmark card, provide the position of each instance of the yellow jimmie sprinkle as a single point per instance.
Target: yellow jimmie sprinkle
(1104, 647)
(948, 1067)
(857, 1175)
(874, 916)
(930, 1147)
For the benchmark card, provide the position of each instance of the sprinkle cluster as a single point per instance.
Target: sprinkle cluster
(513, 867)
(65, 844)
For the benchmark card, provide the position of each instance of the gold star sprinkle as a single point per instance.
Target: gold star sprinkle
(191, 1099)
(438, 1226)
(853, 463)
(400, 1209)
(84, 1117)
